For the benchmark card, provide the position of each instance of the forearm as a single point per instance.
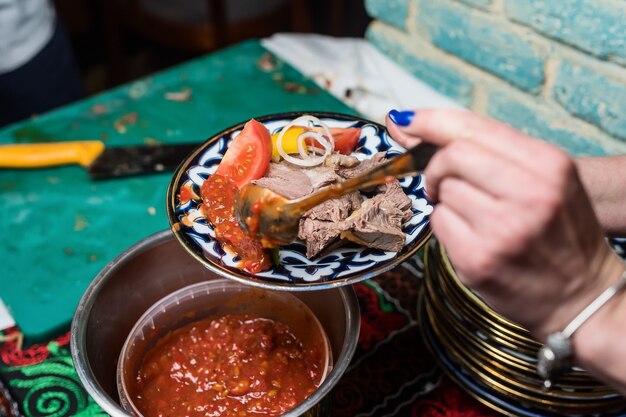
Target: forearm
(600, 343)
(604, 179)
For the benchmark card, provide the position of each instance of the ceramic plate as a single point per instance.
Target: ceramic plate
(345, 265)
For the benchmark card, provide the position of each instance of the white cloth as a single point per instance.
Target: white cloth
(376, 83)
(6, 320)
(26, 26)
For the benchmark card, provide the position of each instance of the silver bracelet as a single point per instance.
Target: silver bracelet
(555, 357)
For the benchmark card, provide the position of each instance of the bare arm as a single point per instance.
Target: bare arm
(604, 179)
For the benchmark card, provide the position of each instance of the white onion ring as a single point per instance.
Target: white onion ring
(327, 147)
(321, 139)
(300, 141)
(307, 160)
(301, 147)
(319, 151)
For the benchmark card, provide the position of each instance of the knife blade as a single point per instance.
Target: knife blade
(101, 162)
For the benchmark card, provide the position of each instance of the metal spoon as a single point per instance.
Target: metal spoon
(274, 219)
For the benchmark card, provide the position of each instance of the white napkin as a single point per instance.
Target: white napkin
(6, 320)
(356, 73)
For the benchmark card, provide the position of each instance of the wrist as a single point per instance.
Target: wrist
(601, 271)
(599, 345)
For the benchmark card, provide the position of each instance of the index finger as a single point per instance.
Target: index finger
(443, 126)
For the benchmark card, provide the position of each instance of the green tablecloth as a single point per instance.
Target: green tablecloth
(58, 228)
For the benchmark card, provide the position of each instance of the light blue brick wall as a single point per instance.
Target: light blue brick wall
(595, 26)
(553, 68)
(592, 97)
(540, 124)
(482, 4)
(393, 12)
(482, 41)
(445, 79)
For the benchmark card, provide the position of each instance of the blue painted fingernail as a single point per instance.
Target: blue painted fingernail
(401, 118)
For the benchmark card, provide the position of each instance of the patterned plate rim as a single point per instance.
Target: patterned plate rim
(196, 252)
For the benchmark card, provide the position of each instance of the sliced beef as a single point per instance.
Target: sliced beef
(321, 225)
(377, 224)
(317, 234)
(394, 194)
(336, 209)
(286, 180)
(293, 181)
(364, 166)
(321, 176)
(337, 161)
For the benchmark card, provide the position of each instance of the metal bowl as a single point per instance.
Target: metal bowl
(154, 268)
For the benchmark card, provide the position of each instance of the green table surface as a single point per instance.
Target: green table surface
(58, 228)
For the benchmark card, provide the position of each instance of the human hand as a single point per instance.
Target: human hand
(513, 216)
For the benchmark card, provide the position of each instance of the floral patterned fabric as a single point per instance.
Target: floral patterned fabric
(391, 374)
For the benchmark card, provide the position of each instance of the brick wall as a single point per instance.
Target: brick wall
(555, 69)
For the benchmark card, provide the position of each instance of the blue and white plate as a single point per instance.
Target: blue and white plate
(342, 266)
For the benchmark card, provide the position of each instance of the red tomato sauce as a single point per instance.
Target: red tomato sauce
(255, 219)
(186, 194)
(235, 365)
(218, 194)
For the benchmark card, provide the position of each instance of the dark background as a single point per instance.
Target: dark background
(93, 29)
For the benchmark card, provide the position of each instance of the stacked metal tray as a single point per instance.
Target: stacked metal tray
(493, 358)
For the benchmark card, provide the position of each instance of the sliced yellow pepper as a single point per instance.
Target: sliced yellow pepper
(290, 142)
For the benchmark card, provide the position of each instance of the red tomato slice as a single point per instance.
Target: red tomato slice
(345, 139)
(248, 156)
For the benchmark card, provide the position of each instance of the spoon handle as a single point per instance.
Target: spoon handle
(410, 163)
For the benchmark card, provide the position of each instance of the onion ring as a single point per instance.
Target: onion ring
(327, 141)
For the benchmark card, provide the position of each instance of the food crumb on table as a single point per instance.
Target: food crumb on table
(138, 89)
(126, 120)
(80, 223)
(182, 95)
(98, 109)
(267, 62)
(151, 141)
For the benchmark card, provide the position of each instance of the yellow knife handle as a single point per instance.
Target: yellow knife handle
(37, 155)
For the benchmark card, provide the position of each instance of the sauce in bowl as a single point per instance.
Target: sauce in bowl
(235, 365)
(218, 348)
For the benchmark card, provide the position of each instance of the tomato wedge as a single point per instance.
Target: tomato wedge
(248, 156)
(345, 138)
